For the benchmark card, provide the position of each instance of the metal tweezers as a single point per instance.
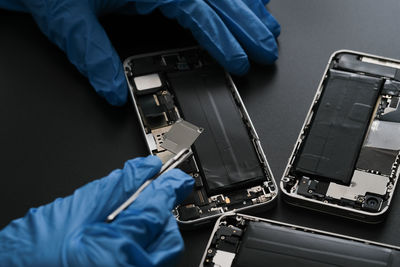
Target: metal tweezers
(169, 165)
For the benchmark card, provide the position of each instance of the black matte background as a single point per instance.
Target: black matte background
(56, 134)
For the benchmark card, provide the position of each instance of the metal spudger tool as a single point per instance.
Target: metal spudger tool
(181, 134)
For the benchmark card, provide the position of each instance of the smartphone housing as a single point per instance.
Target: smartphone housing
(240, 240)
(228, 164)
(345, 160)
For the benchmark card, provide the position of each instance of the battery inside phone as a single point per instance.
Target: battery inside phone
(348, 151)
(228, 164)
(227, 155)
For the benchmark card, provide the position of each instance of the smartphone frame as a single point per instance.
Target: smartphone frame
(253, 209)
(317, 205)
(293, 228)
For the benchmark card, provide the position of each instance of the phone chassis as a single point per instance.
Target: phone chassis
(241, 240)
(356, 175)
(188, 83)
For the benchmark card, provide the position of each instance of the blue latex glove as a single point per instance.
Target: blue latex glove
(228, 29)
(71, 231)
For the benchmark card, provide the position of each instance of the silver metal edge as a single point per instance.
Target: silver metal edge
(125, 64)
(308, 117)
(294, 227)
(242, 108)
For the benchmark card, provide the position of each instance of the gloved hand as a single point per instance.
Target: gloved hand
(72, 231)
(228, 29)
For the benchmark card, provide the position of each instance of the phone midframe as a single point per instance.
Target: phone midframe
(227, 241)
(338, 200)
(204, 205)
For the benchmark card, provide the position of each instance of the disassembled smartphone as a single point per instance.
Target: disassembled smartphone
(228, 164)
(240, 240)
(346, 159)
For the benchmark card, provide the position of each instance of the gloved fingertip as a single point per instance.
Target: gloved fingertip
(117, 100)
(96, 58)
(115, 92)
(276, 31)
(232, 58)
(146, 162)
(272, 24)
(239, 66)
(181, 183)
(137, 171)
(266, 51)
(186, 180)
(156, 161)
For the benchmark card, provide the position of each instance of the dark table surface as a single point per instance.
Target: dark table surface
(56, 134)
